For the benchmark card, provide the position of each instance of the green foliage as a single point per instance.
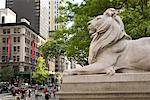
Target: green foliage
(75, 40)
(6, 73)
(136, 16)
(53, 48)
(41, 72)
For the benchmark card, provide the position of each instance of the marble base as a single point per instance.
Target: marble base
(121, 86)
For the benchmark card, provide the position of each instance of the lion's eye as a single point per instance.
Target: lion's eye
(88, 23)
(98, 18)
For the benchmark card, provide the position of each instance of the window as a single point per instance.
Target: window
(7, 40)
(3, 58)
(18, 48)
(27, 41)
(17, 30)
(26, 50)
(30, 59)
(14, 58)
(26, 68)
(4, 40)
(18, 39)
(18, 58)
(3, 19)
(15, 49)
(8, 31)
(4, 49)
(26, 59)
(14, 39)
(33, 36)
(4, 31)
(55, 27)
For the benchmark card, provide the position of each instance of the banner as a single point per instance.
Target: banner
(8, 53)
(33, 50)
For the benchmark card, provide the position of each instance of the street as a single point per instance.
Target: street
(8, 96)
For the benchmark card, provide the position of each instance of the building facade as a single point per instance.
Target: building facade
(54, 13)
(7, 16)
(19, 46)
(35, 11)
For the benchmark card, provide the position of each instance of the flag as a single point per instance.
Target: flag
(33, 50)
(8, 53)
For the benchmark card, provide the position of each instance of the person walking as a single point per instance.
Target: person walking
(18, 98)
(46, 91)
(46, 96)
(23, 93)
(54, 89)
(28, 94)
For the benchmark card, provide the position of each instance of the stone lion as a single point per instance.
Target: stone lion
(112, 50)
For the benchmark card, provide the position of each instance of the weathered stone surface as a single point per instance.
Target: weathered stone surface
(121, 86)
(111, 49)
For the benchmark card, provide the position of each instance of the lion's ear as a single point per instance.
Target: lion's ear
(111, 12)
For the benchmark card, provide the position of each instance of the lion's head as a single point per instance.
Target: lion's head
(105, 30)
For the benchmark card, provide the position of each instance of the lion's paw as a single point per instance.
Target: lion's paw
(110, 71)
(69, 72)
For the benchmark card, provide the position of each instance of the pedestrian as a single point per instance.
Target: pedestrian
(28, 94)
(54, 88)
(18, 98)
(46, 89)
(23, 93)
(46, 96)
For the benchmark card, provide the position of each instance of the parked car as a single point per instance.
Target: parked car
(4, 89)
(40, 87)
(15, 90)
(25, 85)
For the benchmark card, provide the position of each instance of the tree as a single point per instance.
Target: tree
(41, 72)
(6, 73)
(53, 48)
(135, 15)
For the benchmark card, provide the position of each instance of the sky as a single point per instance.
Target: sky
(2, 2)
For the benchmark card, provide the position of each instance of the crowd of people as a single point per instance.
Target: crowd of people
(25, 93)
(50, 91)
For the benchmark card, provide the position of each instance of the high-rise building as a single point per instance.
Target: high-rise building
(35, 11)
(54, 13)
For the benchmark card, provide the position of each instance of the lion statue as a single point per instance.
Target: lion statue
(112, 50)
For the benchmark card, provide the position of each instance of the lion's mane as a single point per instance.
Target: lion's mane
(109, 32)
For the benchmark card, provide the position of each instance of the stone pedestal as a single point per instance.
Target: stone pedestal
(121, 86)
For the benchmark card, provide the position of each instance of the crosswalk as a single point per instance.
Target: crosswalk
(6, 96)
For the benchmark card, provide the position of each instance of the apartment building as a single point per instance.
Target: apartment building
(19, 46)
(35, 11)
